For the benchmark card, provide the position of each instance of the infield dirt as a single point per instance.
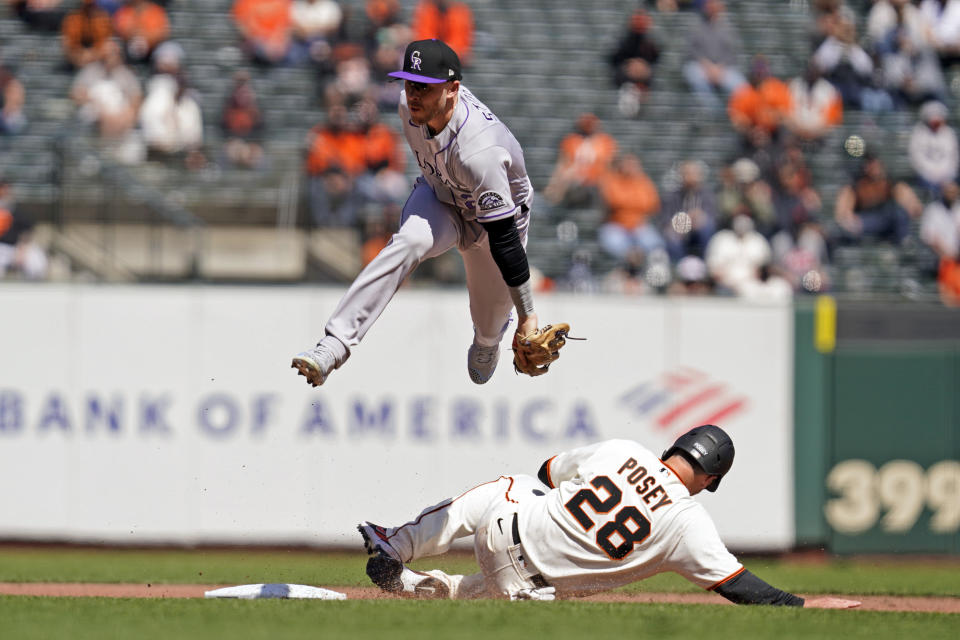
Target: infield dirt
(87, 589)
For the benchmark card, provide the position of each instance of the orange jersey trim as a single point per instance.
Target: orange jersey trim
(729, 577)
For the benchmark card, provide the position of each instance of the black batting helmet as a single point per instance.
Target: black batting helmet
(709, 447)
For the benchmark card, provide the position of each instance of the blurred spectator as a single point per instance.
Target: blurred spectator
(631, 201)
(633, 62)
(112, 6)
(352, 80)
(388, 48)
(378, 231)
(381, 15)
(316, 28)
(141, 25)
(692, 278)
(580, 277)
(911, 68)
(383, 181)
(933, 149)
(796, 201)
(943, 18)
(626, 278)
(826, 14)
(817, 107)
(85, 33)
(336, 156)
(668, 6)
(758, 108)
(42, 15)
(800, 258)
(874, 207)
(171, 118)
(713, 49)
(799, 244)
(108, 93)
(446, 20)
(881, 18)
(940, 229)
(850, 69)
(242, 124)
(690, 214)
(12, 98)
(940, 226)
(744, 192)
(266, 29)
(768, 286)
(584, 156)
(18, 252)
(737, 258)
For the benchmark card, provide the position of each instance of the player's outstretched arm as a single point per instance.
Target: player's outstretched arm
(746, 588)
(829, 602)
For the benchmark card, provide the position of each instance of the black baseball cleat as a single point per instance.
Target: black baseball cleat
(387, 572)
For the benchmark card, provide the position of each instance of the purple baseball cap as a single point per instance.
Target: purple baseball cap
(429, 61)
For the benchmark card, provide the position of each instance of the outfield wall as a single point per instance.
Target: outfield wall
(878, 427)
(170, 414)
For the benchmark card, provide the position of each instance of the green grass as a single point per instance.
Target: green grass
(81, 618)
(174, 619)
(861, 576)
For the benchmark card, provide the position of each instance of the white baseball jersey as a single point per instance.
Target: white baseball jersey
(618, 514)
(474, 163)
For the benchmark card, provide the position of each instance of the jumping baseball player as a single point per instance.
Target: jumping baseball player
(597, 518)
(473, 194)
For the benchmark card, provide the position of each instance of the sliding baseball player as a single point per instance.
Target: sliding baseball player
(596, 518)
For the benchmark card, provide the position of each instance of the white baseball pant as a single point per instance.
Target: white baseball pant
(487, 512)
(428, 228)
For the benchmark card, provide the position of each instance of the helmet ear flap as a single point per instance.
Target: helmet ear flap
(712, 487)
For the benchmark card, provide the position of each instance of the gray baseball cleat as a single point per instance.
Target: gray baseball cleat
(320, 361)
(482, 362)
(385, 569)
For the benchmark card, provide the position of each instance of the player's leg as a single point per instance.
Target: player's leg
(491, 306)
(506, 571)
(427, 229)
(434, 530)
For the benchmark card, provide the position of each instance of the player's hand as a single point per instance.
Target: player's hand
(526, 325)
(540, 593)
(829, 602)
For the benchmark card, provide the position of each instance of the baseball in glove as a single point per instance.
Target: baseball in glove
(533, 353)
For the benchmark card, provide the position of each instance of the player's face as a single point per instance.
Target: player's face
(426, 102)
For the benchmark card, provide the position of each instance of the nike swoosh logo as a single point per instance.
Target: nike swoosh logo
(499, 526)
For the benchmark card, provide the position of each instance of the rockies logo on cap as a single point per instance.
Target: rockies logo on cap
(429, 61)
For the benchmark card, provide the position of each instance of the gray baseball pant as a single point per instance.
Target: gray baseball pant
(428, 228)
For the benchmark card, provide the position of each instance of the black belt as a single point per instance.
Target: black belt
(537, 580)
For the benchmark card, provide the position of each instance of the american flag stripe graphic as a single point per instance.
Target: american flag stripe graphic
(680, 394)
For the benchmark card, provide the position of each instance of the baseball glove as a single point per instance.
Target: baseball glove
(533, 353)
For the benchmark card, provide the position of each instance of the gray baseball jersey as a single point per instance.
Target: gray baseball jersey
(474, 164)
(618, 514)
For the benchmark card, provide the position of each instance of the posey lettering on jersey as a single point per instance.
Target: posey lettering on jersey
(646, 485)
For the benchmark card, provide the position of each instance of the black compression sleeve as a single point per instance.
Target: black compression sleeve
(544, 474)
(746, 588)
(508, 251)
